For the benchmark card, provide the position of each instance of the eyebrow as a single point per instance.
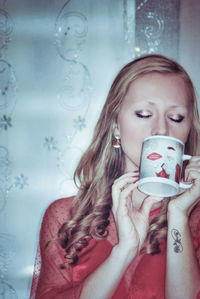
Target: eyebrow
(171, 107)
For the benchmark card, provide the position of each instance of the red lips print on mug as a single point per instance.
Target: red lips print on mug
(161, 165)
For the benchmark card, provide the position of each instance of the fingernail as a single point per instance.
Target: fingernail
(135, 176)
(136, 171)
(135, 181)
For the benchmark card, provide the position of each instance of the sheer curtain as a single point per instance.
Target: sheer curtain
(57, 61)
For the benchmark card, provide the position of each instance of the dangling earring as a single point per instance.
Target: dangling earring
(117, 143)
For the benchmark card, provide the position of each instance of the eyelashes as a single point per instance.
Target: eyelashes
(143, 115)
(177, 118)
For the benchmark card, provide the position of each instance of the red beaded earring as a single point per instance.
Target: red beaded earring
(117, 143)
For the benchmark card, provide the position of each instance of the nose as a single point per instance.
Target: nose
(160, 127)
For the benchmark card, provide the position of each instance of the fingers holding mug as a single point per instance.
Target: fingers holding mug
(122, 187)
(192, 170)
(192, 175)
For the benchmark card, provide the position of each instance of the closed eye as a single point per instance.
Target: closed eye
(177, 120)
(143, 115)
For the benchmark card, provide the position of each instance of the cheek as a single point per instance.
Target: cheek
(184, 137)
(184, 132)
(131, 142)
(131, 134)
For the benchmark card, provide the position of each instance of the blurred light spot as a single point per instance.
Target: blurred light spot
(27, 271)
(137, 49)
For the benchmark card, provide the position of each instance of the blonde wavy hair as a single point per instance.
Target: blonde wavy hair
(102, 164)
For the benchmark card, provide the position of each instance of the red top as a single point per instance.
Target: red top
(144, 278)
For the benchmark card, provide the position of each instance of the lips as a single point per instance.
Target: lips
(154, 156)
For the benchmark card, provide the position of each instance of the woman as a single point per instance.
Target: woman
(113, 241)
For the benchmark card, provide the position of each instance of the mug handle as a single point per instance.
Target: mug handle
(185, 185)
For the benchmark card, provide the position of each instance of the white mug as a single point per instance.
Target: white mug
(161, 166)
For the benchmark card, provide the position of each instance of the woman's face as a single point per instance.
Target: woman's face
(155, 104)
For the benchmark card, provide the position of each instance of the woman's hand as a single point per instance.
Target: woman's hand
(185, 202)
(132, 223)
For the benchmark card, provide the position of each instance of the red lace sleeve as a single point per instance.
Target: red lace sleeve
(55, 282)
(195, 229)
